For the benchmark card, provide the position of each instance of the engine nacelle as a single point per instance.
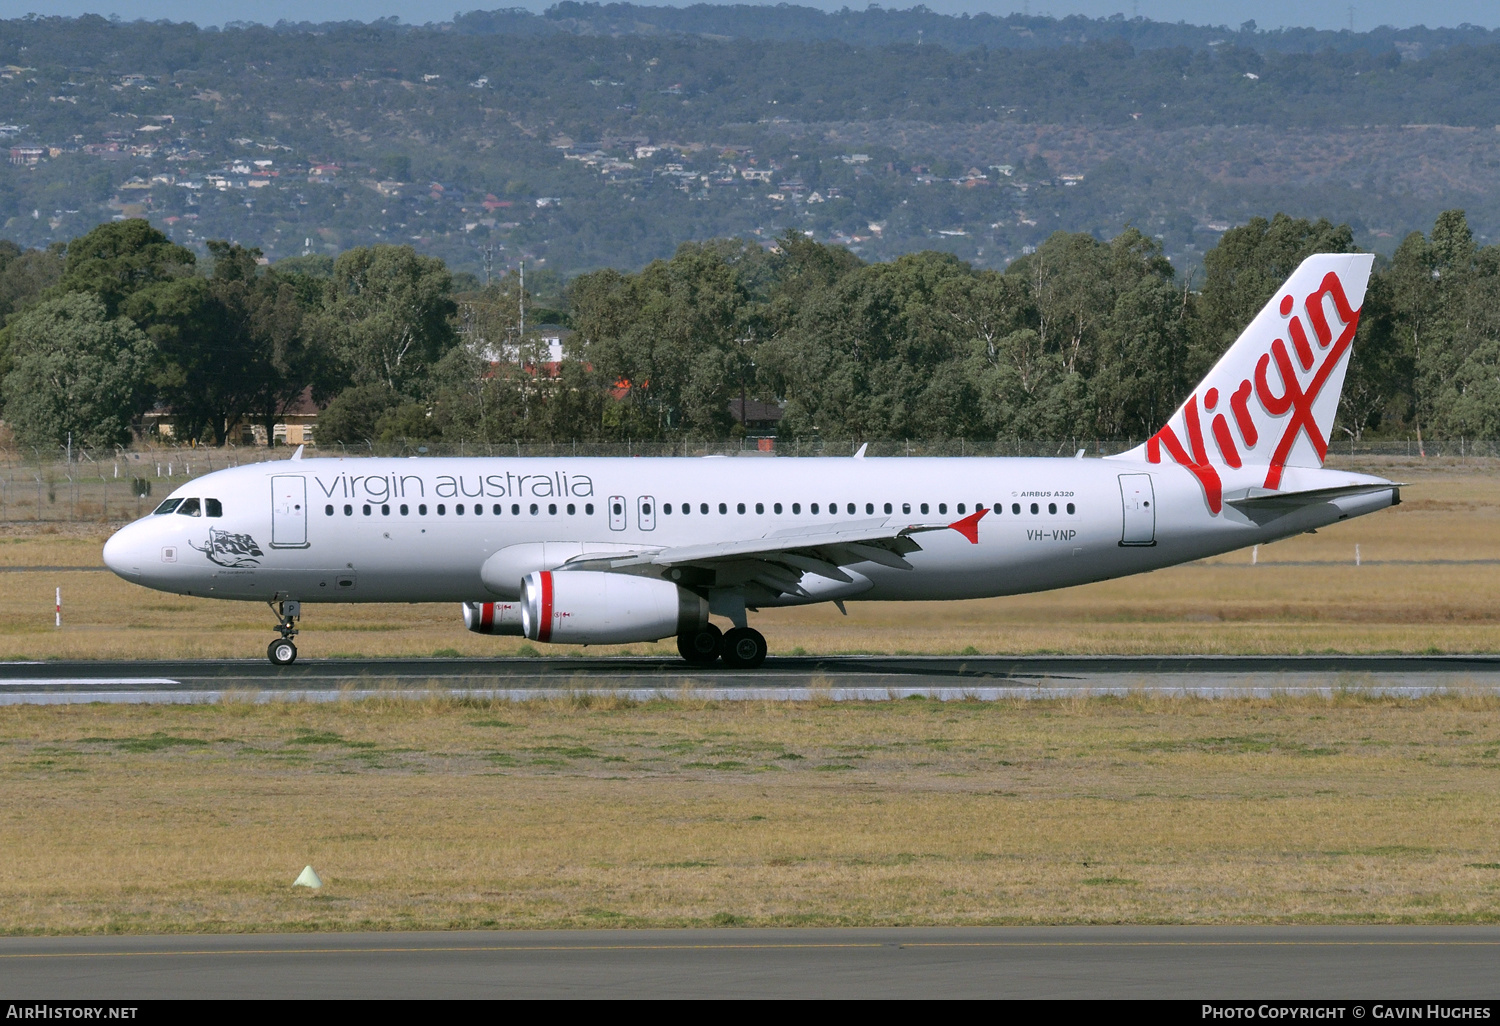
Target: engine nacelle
(590, 607)
(493, 617)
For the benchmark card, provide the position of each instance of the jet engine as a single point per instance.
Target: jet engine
(493, 617)
(588, 607)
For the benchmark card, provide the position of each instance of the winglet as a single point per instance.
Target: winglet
(969, 525)
(861, 454)
(298, 454)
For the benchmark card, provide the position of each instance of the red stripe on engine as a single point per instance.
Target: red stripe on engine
(486, 617)
(544, 626)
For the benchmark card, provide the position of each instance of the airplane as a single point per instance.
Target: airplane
(599, 551)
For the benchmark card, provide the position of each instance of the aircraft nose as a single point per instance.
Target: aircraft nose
(122, 553)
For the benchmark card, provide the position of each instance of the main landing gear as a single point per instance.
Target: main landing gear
(741, 648)
(282, 651)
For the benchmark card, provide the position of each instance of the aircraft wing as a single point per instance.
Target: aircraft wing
(779, 559)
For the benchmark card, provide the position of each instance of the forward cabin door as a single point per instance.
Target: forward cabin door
(288, 512)
(1139, 502)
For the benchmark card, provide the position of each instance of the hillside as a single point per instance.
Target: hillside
(605, 136)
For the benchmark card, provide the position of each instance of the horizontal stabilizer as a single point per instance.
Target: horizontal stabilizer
(1262, 505)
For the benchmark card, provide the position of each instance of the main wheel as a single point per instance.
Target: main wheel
(282, 652)
(701, 648)
(743, 648)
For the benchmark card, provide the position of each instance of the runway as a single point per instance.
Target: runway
(1019, 962)
(840, 678)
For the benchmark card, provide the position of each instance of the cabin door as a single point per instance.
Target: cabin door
(1139, 502)
(288, 511)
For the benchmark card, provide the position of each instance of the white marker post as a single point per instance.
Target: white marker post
(59, 607)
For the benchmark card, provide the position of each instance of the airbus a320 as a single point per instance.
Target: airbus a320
(611, 551)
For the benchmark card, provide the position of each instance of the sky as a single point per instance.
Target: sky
(1327, 14)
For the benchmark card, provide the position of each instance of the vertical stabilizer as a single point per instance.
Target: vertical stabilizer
(1271, 400)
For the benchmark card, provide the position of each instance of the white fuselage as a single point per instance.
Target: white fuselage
(419, 530)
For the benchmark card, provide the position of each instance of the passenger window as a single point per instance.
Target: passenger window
(405, 509)
(442, 509)
(328, 509)
(497, 509)
(572, 509)
(189, 508)
(869, 507)
(367, 509)
(906, 507)
(479, 509)
(589, 509)
(533, 509)
(924, 507)
(960, 507)
(348, 510)
(167, 507)
(1070, 509)
(552, 509)
(213, 507)
(796, 507)
(888, 507)
(776, 508)
(760, 507)
(999, 508)
(515, 509)
(723, 508)
(1034, 509)
(1052, 507)
(687, 509)
(666, 508)
(458, 510)
(851, 507)
(385, 509)
(703, 508)
(740, 508)
(421, 509)
(813, 508)
(1015, 508)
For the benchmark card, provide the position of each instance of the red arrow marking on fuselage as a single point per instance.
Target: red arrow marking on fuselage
(969, 525)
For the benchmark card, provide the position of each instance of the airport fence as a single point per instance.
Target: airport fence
(109, 487)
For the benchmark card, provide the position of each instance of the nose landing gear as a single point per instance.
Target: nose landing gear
(283, 652)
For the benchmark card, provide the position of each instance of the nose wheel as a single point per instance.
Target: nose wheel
(283, 651)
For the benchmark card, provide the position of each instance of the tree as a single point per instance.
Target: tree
(77, 372)
(120, 258)
(387, 316)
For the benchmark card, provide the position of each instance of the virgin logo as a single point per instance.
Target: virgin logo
(1287, 404)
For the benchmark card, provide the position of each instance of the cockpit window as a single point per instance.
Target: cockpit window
(213, 507)
(167, 507)
(189, 508)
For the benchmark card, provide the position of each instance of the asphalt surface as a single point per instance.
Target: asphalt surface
(788, 678)
(1030, 962)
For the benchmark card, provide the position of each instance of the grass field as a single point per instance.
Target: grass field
(1451, 512)
(436, 814)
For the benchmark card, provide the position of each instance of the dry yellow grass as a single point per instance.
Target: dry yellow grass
(436, 814)
(1451, 512)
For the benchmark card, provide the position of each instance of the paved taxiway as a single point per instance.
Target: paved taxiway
(1036, 962)
(785, 678)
